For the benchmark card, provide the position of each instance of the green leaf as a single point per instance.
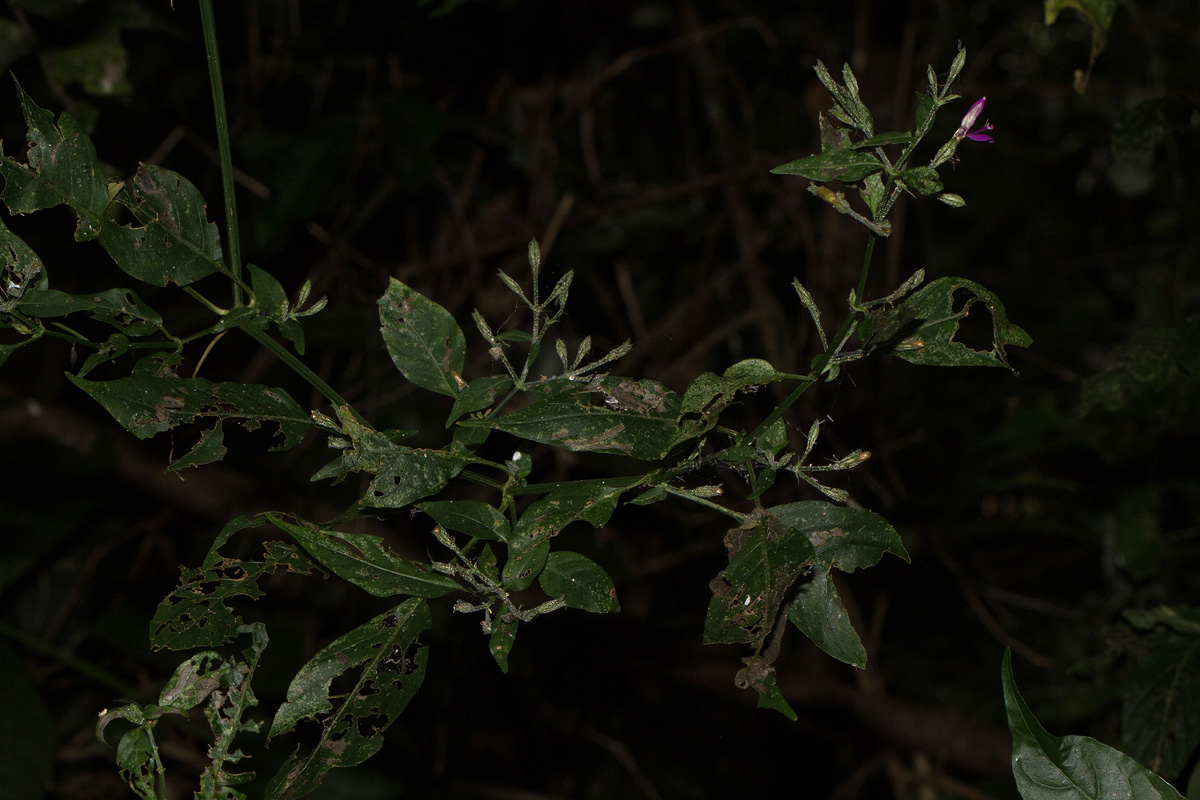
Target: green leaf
(121, 308)
(62, 169)
(500, 643)
(842, 537)
(362, 559)
(269, 295)
(923, 328)
(175, 242)
(403, 475)
(1160, 718)
(20, 269)
(1074, 767)
(472, 517)
(480, 393)
(578, 581)
(210, 448)
(922, 180)
(424, 341)
(392, 668)
(147, 406)
(640, 419)
(197, 613)
(882, 139)
(846, 165)
(766, 558)
(709, 394)
(818, 613)
(586, 501)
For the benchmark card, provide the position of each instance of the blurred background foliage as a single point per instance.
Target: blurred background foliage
(430, 141)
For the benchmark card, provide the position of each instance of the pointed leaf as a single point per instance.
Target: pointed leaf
(391, 669)
(846, 165)
(842, 537)
(362, 559)
(1074, 767)
(424, 341)
(818, 613)
(62, 169)
(472, 517)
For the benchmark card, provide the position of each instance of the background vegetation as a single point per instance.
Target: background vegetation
(634, 140)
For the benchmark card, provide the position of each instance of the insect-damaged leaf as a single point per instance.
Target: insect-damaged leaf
(923, 329)
(175, 242)
(766, 558)
(1073, 767)
(639, 419)
(403, 475)
(62, 169)
(146, 406)
(362, 559)
(196, 614)
(391, 668)
(424, 341)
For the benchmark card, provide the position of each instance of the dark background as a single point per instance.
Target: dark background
(635, 139)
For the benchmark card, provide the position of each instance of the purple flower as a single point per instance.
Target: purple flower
(965, 131)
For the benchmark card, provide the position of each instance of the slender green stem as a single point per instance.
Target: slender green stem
(226, 156)
(823, 361)
(704, 501)
(263, 338)
(84, 668)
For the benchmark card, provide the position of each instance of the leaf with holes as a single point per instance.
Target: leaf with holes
(197, 613)
(391, 667)
(174, 241)
(925, 327)
(766, 559)
(62, 168)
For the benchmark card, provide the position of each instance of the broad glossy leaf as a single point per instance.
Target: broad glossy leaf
(391, 668)
(472, 517)
(766, 559)
(362, 559)
(146, 406)
(842, 537)
(846, 165)
(62, 168)
(1073, 767)
(639, 419)
(818, 613)
(424, 341)
(924, 327)
(197, 613)
(174, 242)
(579, 581)
(403, 475)
(1160, 718)
(586, 501)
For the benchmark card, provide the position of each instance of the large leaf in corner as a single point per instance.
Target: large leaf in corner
(391, 667)
(424, 341)
(925, 328)
(1073, 767)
